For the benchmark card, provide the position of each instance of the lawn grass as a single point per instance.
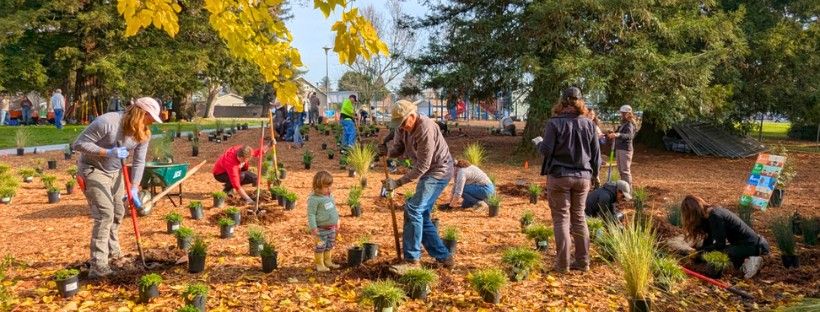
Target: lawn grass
(49, 135)
(774, 130)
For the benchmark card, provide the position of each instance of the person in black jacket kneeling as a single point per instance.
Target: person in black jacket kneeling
(603, 202)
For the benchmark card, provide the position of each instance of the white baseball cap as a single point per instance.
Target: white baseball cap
(626, 109)
(150, 106)
(624, 187)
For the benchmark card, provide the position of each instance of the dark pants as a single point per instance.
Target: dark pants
(739, 253)
(245, 177)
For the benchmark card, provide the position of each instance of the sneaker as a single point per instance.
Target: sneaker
(751, 266)
(99, 272)
(575, 266)
(449, 262)
(481, 205)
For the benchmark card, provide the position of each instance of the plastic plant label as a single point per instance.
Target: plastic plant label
(230, 230)
(542, 243)
(175, 227)
(259, 246)
(71, 286)
(376, 253)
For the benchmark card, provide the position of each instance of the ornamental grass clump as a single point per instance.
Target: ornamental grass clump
(382, 295)
(634, 250)
(475, 154)
(488, 283)
(359, 159)
(417, 282)
(541, 234)
(520, 262)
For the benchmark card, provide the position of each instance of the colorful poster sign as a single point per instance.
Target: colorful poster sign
(761, 183)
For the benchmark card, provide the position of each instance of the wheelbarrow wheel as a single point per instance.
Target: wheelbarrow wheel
(145, 199)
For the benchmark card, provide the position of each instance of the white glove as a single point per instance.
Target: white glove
(537, 140)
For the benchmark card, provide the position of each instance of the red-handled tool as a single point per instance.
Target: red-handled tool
(718, 283)
(131, 207)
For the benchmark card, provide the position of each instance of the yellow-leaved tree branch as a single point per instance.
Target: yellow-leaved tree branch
(252, 31)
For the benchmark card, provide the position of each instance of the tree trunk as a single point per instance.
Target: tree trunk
(213, 91)
(649, 134)
(541, 98)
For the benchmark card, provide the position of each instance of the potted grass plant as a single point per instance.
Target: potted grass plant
(196, 295)
(149, 287)
(605, 245)
(353, 200)
(673, 214)
(784, 178)
(234, 214)
(226, 227)
(68, 283)
(69, 186)
(520, 262)
(541, 234)
(534, 190)
(360, 158)
(527, 218)
(195, 207)
(27, 174)
(667, 273)
(281, 199)
(52, 164)
(488, 283)
(22, 136)
(716, 262)
(450, 238)
(385, 296)
(283, 173)
(52, 191)
(219, 198)
(7, 192)
(331, 154)
(185, 237)
(343, 161)
(371, 249)
(811, 227)
(745, 213)
(39, 165)
(307, 159)
(417, 282)
(256, 240)
(67, 152)
(634, 250)
(269, 257)
(195, 146)
(595, 226)
(72, 172)
(783, 233)
(196, 256)
(355, 255)
(173, 221)
(290, 200)
(475, 154)
(494, 201)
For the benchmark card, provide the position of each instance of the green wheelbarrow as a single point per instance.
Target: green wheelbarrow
(159, 180)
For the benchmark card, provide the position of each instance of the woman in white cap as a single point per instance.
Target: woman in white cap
(623, 143)
(103, 146)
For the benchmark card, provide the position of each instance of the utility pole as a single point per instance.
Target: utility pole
(327, 80)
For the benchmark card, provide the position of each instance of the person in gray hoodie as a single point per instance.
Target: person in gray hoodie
(623, 143)
(572, 157)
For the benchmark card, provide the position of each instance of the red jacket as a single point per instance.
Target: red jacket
(229, 163)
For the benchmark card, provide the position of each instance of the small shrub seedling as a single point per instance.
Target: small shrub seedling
(195, 204)
(418, 280)
(487, 280)
(811, 228)
(540, 232)
(520, 261)
(307, 157)
(667, 272)
(219, 195)
(65, 274)
(194, 290)
(148, 280)
(451, 233)
(382, 294)
(634, 249)
(268, 250)
(27, 173)
(291, 197)
(528, 217)
(188, 308)
(231, 210)
(354, 195)
(199, 247)
(223, 222)
(719, 261)
(534, 189)
(173, 217)
(475, 154)
(256, 235)
(494, 200)
(72, 171)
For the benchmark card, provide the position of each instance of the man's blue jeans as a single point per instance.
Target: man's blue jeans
(26, 115)
(297, 127)
(473, 193)
(58, 118)
(348, 133)
(3, 114)
(418, 228)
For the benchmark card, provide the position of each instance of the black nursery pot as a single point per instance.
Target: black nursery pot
(184, 243)
(371, 251)
(172, 226)
(490, 297)
(194, 151)
(211, 138)
(198, 302)
(219, 202)
(21, 151)
(330, 156)
(640, 305)
(450, 244)
(269, 263)
(713, 273)
(280, 200)
(533, 199)
(356, 211)
(419, 294)
(493, 211)
(307, 166)
(226, 231)
(289, 205)
(196, 213)
(69, 287)
(790, 261)
(225, 137)
(237, 218)
(254, 248)
(52, 164)
(53, 197)
(351, 173)
(324, 146)
(355, 256)
(69, 190)
(146, 294)
(777, 198)
(196, 263)
(67, 156)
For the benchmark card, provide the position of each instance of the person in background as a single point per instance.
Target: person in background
(599, 133)
(5, 103)
(363, 116)
(280, 116)
(603, 202)
(572, 158)
(419, 138)
(623, 143)
(716, 226)
(471, 186)
(42, 113)
(232, 170)
(104, 145)
(314, 108)
(296, 123)
(323, 220)
(507, 125)
(25, 105)
(348, 117)
(58, 105)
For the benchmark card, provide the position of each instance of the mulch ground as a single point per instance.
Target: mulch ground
(47, 237)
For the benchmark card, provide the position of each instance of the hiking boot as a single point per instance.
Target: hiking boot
(118, 261)
(751, 266)
(575, 266)
(99, 272)
(481, 205)
(449, 262)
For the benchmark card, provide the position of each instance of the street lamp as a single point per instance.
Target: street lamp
(327, 79)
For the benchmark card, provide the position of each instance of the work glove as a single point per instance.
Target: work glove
(248, 200)
(135, 198)
(537, 140)
(117, 152)
(390, 185)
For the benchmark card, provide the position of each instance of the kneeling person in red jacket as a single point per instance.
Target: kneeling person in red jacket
(232, 169)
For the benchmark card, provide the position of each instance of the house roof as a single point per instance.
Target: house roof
(314, 87)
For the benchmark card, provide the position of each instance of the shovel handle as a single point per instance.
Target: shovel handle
(127, 181)
(393, 214)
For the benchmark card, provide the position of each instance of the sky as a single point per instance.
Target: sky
(311, 31)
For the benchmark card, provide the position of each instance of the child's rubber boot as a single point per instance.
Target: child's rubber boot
(320, 262)
(329, 261)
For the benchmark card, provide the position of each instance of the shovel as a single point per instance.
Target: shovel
(133, 210)
(722, 285)
(393, 214)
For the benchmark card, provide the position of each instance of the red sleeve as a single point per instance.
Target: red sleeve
(233, 175)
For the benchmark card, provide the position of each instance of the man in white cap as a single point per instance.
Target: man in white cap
(603, 202)
(104, 145)
(420, 139)
(623, 143)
